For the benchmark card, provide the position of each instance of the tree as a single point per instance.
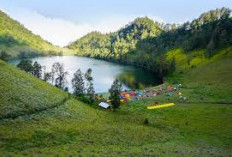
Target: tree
(223, 39)
(55, 68)
(78, 83)
(22, 55)
(225, 13)
(91, 92)
(4, 56)
(210, 48)
(90, 88)
(173, 65)
(47, 76)
(115, 93)
(37, 70)
(59, 75)
(88, 74)
(25, 65)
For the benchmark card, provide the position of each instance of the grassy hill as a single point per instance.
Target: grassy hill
(43, 124)
(24, 93)
(15, 38)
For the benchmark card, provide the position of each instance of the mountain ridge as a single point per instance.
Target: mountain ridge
(15, 38)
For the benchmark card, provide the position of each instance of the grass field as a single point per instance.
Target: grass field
(199, 127)
(21, 93)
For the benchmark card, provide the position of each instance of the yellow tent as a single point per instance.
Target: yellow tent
(160, 106)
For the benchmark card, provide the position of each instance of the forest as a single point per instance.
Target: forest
(145, 43)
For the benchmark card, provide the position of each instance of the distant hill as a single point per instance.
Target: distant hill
(114, 45)
(15, 38)
(147, 44)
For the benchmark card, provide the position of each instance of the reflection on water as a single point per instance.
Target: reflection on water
(104, 73)
(138, 78)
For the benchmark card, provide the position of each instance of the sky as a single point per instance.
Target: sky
(63, 21)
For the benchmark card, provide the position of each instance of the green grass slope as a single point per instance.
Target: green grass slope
(210, 83)
(14, 38)
(204, 79)
(21, 93)
(194, 128)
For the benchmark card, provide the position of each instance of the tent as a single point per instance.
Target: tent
(160, 106)
(104, 105)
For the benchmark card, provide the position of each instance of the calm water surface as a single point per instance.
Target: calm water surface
(104, 73)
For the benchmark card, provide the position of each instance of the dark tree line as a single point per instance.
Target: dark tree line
(57, 75)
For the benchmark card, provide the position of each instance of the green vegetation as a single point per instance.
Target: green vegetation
(145, 43)
(59, 75)
(78, 83)
(115, 93)
(90, 89)
(195, 128)
(4, 56)
(35, 69)
(114, 45)
(21, 93)
(38, 119)
(26, 65)
(82, 85)
(16, 39)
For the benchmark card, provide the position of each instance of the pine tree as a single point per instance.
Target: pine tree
(60, 73)
(90, 88)
(115, 93)
(37, 70)
(47, 76)
(78, 83)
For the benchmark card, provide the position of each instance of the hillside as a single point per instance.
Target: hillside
(114, 45)
(205, 79)
(38, 119)
(145, 43)
(25, 94)
(15, 38)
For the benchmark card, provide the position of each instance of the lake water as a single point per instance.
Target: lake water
(103, 72)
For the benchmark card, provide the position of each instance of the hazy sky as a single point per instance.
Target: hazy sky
(63, 21)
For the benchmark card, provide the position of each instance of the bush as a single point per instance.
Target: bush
(146, 122)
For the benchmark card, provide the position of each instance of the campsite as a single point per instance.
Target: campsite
(160, 94)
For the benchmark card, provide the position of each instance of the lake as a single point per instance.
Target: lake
(104, 73)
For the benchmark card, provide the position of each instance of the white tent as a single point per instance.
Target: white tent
(104, 105)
